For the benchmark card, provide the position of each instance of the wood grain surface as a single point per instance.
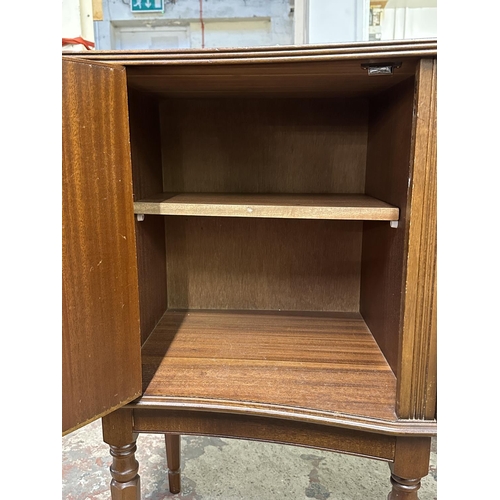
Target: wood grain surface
(393, 51)
(327, 78)
(145, 144)
(418, 371)
(234, 263)
(387, 178)
(273, 71)
(298, 206)
(376, 47)
(101, 343)
(322, 361)
(311, 435)
(264, 146)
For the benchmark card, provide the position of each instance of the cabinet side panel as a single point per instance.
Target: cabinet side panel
(145, 141)
(101, 343)
(387, 174)
(231, 263)
(417, 363)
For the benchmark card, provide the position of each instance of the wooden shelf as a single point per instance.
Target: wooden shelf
(286, 206)
(286, 363)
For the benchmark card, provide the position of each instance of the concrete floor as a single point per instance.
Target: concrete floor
(230, 469)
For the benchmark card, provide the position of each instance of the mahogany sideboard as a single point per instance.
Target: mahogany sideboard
(249, 250)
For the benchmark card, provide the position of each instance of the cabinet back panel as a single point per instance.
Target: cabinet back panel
(264, 145)
(232, 263)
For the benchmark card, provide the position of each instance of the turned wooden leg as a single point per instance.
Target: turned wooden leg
(173, 445)
(411, 463)
(126, 483)
(117, 432)
(403, 489)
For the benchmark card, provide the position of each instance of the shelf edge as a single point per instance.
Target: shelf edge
(249, 210)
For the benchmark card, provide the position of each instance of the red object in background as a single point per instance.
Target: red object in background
(78, 40)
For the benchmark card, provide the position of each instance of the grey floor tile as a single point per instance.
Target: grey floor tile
(230, 469)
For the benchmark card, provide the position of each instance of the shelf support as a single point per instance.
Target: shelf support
(394, 224)
(140, 217)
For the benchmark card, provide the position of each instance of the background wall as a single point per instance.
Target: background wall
(77, 20)
(404, 19)
(226, 23)
(239, 23)
(338, 21)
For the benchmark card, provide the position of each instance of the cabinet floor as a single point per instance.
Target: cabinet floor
(230, 469)
(282, 361)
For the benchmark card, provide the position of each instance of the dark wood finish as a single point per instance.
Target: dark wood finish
(145, 144)
(330, 360)
(101, 349)
(410, 464)
(376, 47)
(126, 483)
(152, 267)
(281, 70)
(266, 429)
(173, 448)
(281, 206)
(118, 433)
(333, 346)
(417, 359)
(117, 427)
(397, 427)
(264, 146)
(403, 489)
(231, 263)
(387, 178)
(411, 459)
(254, 79)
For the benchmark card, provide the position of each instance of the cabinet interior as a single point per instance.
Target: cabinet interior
(244, 266)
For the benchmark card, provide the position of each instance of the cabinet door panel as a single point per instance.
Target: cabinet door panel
(101, 339)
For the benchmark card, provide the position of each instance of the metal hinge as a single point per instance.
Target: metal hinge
(375, 69)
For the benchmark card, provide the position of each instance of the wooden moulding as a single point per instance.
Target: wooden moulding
(334, 207)
(349, 50)
(271, 71)
(260, 428)
(417, 360)
(397, 427)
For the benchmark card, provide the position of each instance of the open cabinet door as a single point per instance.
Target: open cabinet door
(101, 338)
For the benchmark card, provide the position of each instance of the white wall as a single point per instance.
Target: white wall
(333, 21)
(77, 21)
(228, 23)
(404, 23)
(405, 19)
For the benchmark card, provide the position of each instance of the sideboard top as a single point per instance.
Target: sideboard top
(367, 51)
(282, 71)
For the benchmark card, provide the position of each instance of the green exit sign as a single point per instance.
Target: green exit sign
(146, 5)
